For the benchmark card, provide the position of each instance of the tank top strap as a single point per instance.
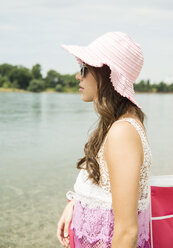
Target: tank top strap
(137, 127)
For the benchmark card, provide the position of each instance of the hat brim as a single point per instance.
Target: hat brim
(84, 54)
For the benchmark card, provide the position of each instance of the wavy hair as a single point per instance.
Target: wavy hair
(110, 106)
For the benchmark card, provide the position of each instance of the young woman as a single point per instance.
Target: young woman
(111, 200)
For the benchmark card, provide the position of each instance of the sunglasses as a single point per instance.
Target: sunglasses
(83, 70)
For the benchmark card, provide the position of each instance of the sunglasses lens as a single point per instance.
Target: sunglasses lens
(83, 70)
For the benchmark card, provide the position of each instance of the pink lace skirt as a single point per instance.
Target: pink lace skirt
(93, 227)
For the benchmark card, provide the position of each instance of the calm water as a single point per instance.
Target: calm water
(41, 138)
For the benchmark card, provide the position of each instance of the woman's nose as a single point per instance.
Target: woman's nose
(78, 76)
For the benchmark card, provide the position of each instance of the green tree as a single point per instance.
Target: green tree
(21, 75)
(53, 78)
(3, 79)
(148, 86)
(59, 88)
(170, 87)
(140, 86)
(5, 69)
(15, 84)
(162, 87)
(36, 85)
(7, 84)
(36, 71)
(143, 86)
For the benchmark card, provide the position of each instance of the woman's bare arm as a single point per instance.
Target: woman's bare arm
(124, 156)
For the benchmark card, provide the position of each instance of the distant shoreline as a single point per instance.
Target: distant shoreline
(54, 91)
(27, 91)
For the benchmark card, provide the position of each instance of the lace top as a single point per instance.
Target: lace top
(93, 218)
(100, 195)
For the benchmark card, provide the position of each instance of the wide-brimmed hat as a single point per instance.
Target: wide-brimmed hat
(118, 51)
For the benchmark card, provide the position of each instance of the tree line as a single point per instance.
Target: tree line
(20, 77)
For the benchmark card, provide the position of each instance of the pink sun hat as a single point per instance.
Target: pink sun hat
(118, 51)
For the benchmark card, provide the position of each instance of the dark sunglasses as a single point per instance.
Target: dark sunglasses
(83, 70)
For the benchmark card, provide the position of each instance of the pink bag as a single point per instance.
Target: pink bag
(161, 211)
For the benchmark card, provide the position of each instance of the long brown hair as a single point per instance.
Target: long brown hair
(109, 105)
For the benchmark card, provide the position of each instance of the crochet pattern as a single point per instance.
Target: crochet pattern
(93, 219)
(94, 227)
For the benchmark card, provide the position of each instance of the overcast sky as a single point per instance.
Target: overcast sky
(31, 31)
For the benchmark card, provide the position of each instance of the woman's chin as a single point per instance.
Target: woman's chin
(86, 99)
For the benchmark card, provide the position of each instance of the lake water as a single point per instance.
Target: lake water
(41, 138)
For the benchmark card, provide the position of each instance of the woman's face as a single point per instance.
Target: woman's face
(89, 85)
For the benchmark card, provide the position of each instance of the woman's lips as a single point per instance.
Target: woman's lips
(80, 88)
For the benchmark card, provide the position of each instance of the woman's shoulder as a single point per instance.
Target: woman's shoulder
(128, 126)
(124, 128)
(122, 135)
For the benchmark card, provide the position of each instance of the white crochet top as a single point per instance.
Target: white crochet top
(100, 195)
